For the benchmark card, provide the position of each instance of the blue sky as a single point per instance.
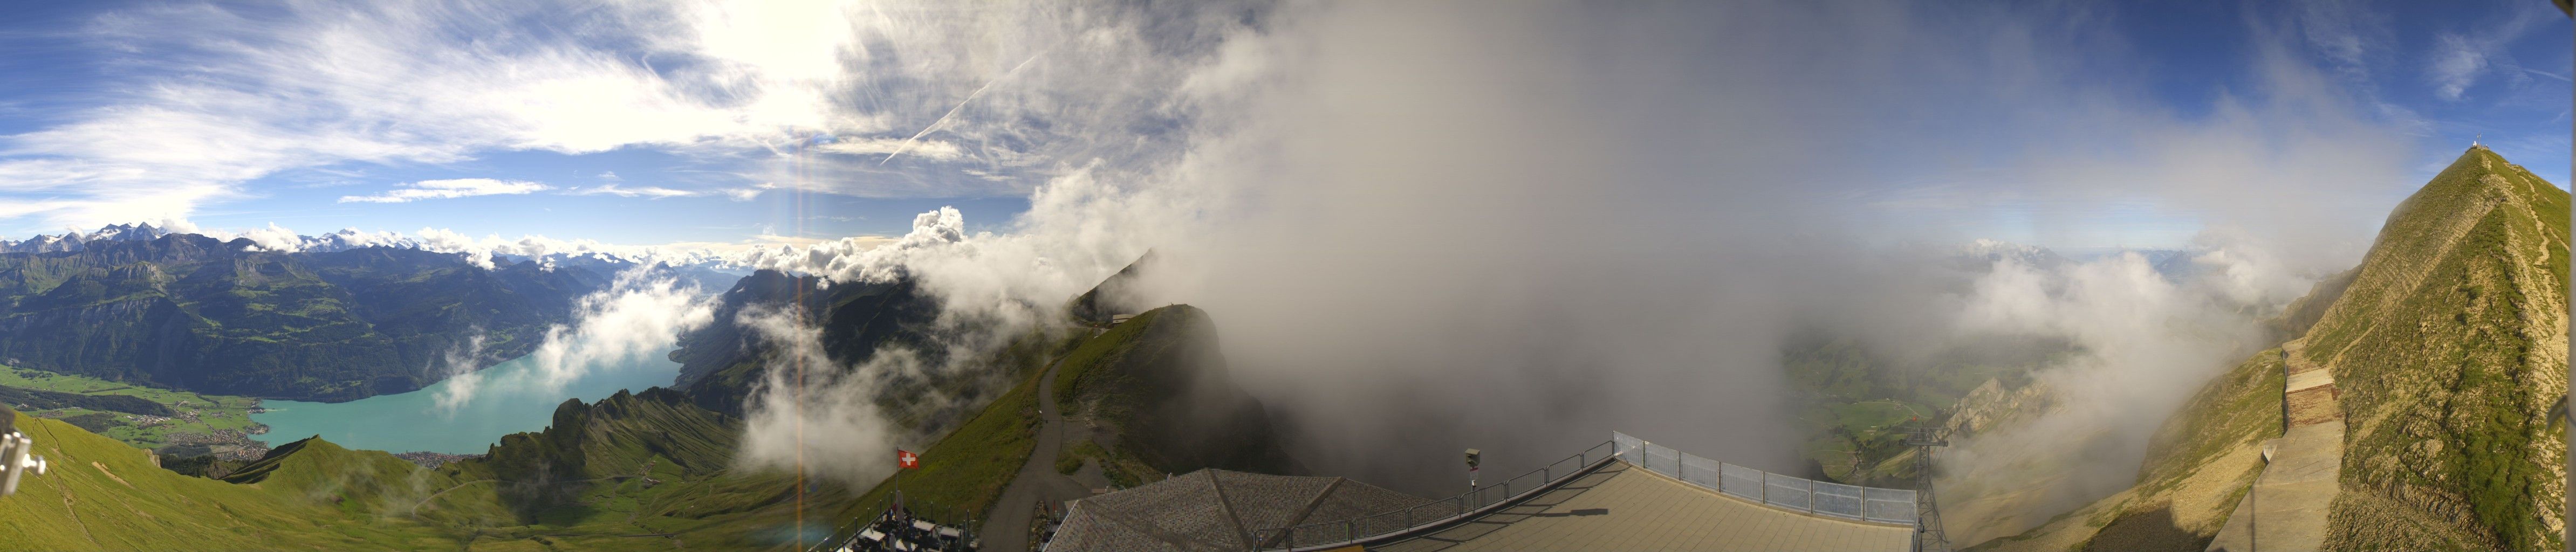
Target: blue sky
(755, 122)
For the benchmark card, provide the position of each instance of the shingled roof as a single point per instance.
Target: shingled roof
(1214, 509)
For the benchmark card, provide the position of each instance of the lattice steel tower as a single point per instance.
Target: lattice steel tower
(1927, 511)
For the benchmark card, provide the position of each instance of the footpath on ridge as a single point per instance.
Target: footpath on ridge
(1006, 529)
(2286, 510)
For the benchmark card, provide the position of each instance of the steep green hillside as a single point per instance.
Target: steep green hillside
(1159, 386)
(186, 311)
(2448, 346)
(647, 471)
(2450, 349)
(965, 470)
(2198, 465)
(105, 495)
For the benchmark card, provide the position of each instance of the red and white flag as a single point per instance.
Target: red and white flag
(907, 459)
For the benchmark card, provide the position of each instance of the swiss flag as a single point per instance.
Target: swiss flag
(907, 459)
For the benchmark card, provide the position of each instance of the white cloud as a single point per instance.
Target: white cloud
(804, 394)
(204, 98)
(2457, 63)
(655, 192)
(748, 193)
(449, 188)
(212, 98)
(637, 316)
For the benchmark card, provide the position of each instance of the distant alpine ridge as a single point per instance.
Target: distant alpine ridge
(545, 251)
(72, 241)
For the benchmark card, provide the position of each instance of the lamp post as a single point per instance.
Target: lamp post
(1473, 457)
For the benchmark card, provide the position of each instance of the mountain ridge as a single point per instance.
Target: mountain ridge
(2446, 348)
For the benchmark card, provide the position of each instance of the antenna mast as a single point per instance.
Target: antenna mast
(1928, 536)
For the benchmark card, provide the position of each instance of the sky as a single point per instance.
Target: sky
(764, 122)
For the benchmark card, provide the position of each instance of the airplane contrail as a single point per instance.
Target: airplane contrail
(961, 105)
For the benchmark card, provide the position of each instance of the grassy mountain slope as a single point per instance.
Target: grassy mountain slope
(1141, 379)
(2198, 465)
(105, 495)
(1153, 387)
(190, 312)
(1853, 404)
(647, 471)
(965, 470)
(1157, 385)
(2448, 347)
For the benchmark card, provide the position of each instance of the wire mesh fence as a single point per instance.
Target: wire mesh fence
(1894, 506)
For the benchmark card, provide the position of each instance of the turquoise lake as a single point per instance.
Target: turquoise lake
(506, 401)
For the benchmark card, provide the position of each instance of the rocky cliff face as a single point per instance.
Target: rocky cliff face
(1990, 405)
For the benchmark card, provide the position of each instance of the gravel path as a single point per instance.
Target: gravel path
(1006, 528)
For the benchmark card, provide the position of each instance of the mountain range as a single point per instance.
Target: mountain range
(74, 241)
(191, 312)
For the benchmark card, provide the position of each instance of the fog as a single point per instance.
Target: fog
(1518, 227)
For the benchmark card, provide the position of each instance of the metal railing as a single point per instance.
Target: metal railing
(918, 508)
(1331, 534)
(1869, 504)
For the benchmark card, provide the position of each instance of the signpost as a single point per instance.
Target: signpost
(1473, 456)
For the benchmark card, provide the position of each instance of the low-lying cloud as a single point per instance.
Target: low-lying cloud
(808, 414)
(2143, 342)
(638, 316)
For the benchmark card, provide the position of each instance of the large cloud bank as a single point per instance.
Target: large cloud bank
(1431, 226)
